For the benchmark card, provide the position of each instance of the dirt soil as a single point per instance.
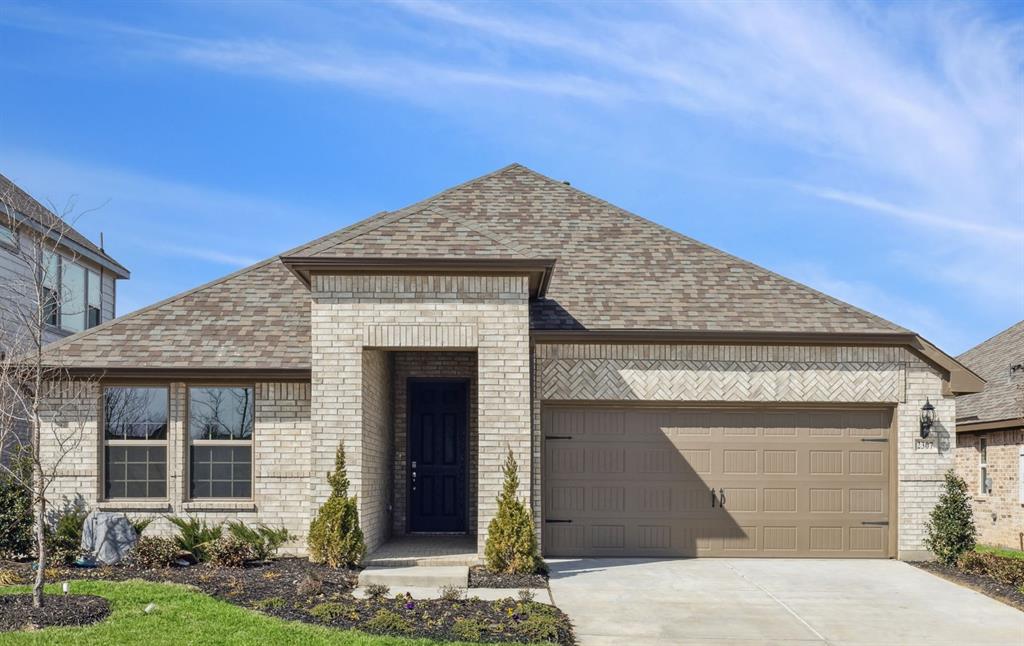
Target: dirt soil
(17, 613)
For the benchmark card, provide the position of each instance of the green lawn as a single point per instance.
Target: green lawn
(184, 616)
(999, 551)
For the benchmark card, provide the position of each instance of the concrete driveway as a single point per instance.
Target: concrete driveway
(715, 602)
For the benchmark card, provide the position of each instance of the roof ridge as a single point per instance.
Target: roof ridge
(566, 186)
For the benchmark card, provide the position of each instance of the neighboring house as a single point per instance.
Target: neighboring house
(80, 278)
(990, 438)
(661, 397)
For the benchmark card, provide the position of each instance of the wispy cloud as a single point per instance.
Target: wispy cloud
(199, 253)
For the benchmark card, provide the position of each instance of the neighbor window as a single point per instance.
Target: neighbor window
(220, 429)
(135, 442)
(983, 465)
(72, 294)
(7, 236)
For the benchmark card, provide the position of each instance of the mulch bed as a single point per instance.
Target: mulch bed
(479, 577)
(17, 613)
(988, 586)
(294, 588)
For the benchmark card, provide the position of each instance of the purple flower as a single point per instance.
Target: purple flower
(409, 605)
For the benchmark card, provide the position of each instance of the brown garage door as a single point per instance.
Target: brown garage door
(683, 482)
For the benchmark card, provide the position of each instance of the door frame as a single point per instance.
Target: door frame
(410, 382)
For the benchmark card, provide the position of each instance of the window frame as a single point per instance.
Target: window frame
(105, 442)
(12, 241)
(231, 442)
(983, 465)
(86, 293)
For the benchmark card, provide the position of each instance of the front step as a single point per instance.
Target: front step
(430, 576)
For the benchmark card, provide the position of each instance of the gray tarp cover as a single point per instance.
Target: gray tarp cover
(107, 537)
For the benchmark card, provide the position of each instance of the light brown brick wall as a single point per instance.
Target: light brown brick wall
(377, 446)
(280, 460)
(998, 515)
(416, 312)
(439, 364)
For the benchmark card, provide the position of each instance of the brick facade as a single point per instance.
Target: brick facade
(755, 373)
(488, 314)
(280, 459)
(999, 514)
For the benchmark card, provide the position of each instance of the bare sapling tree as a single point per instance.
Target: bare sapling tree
(41, 416)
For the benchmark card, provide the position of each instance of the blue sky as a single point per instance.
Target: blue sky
(873, 151)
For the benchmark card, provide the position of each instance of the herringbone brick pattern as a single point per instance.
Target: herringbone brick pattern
(592, 379)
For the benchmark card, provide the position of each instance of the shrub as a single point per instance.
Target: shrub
(153, 552)
(470, 630)
(451, 593)
(539, 628)
(139, 524)
(334, 535)
(1005, 570)
(194, 535)
(377, 591)
(329, 611)
(526, 595)
(388, 622)
(950, 531)
(10, 577)
(64, 539)
(270, 603)
(228, 551)
(16, 509)
(263, 540)
(511, 542)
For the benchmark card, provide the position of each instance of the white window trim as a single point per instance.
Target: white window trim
(189, 498)
(105, 442)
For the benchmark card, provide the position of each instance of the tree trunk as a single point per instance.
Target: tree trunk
(38, 488)
(40, 529)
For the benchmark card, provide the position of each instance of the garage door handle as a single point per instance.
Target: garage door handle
(874, 522)
(712, 497)
(721, 497)
(550, 520)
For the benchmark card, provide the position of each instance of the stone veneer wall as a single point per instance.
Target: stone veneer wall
(440, 364)
(764, 374)
(998, 515)
(490, 314)
(280, 459)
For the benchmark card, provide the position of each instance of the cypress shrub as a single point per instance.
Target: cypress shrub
(334, 535)
(511, 546)
(950, 531)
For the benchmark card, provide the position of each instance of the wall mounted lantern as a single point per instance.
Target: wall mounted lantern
(927, 418)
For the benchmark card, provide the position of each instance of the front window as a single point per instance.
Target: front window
(983, 466)
(72, 302)
(72, 294)
(135, 442)
(220, 430)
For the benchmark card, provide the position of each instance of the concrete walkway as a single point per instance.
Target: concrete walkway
(775, 602)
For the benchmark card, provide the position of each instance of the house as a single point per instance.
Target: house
(661, 397)
(81, 277)
(990, 438)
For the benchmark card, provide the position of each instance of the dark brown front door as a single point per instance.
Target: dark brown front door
(438, 421)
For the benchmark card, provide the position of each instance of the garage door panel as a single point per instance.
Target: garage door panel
(795, 483)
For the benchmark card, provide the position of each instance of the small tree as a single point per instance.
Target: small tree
(41, 416)
(334, 535)
(511, 542)
(950, 532)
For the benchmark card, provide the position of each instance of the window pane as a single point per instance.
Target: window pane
(94, 289)
(221, 413)
(221, 472)
(135, 413)
(72, 302)
(136, 472)
(51, 270)
(6, 235)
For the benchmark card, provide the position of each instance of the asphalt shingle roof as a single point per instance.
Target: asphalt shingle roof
(614, 271)
(1003, 396)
